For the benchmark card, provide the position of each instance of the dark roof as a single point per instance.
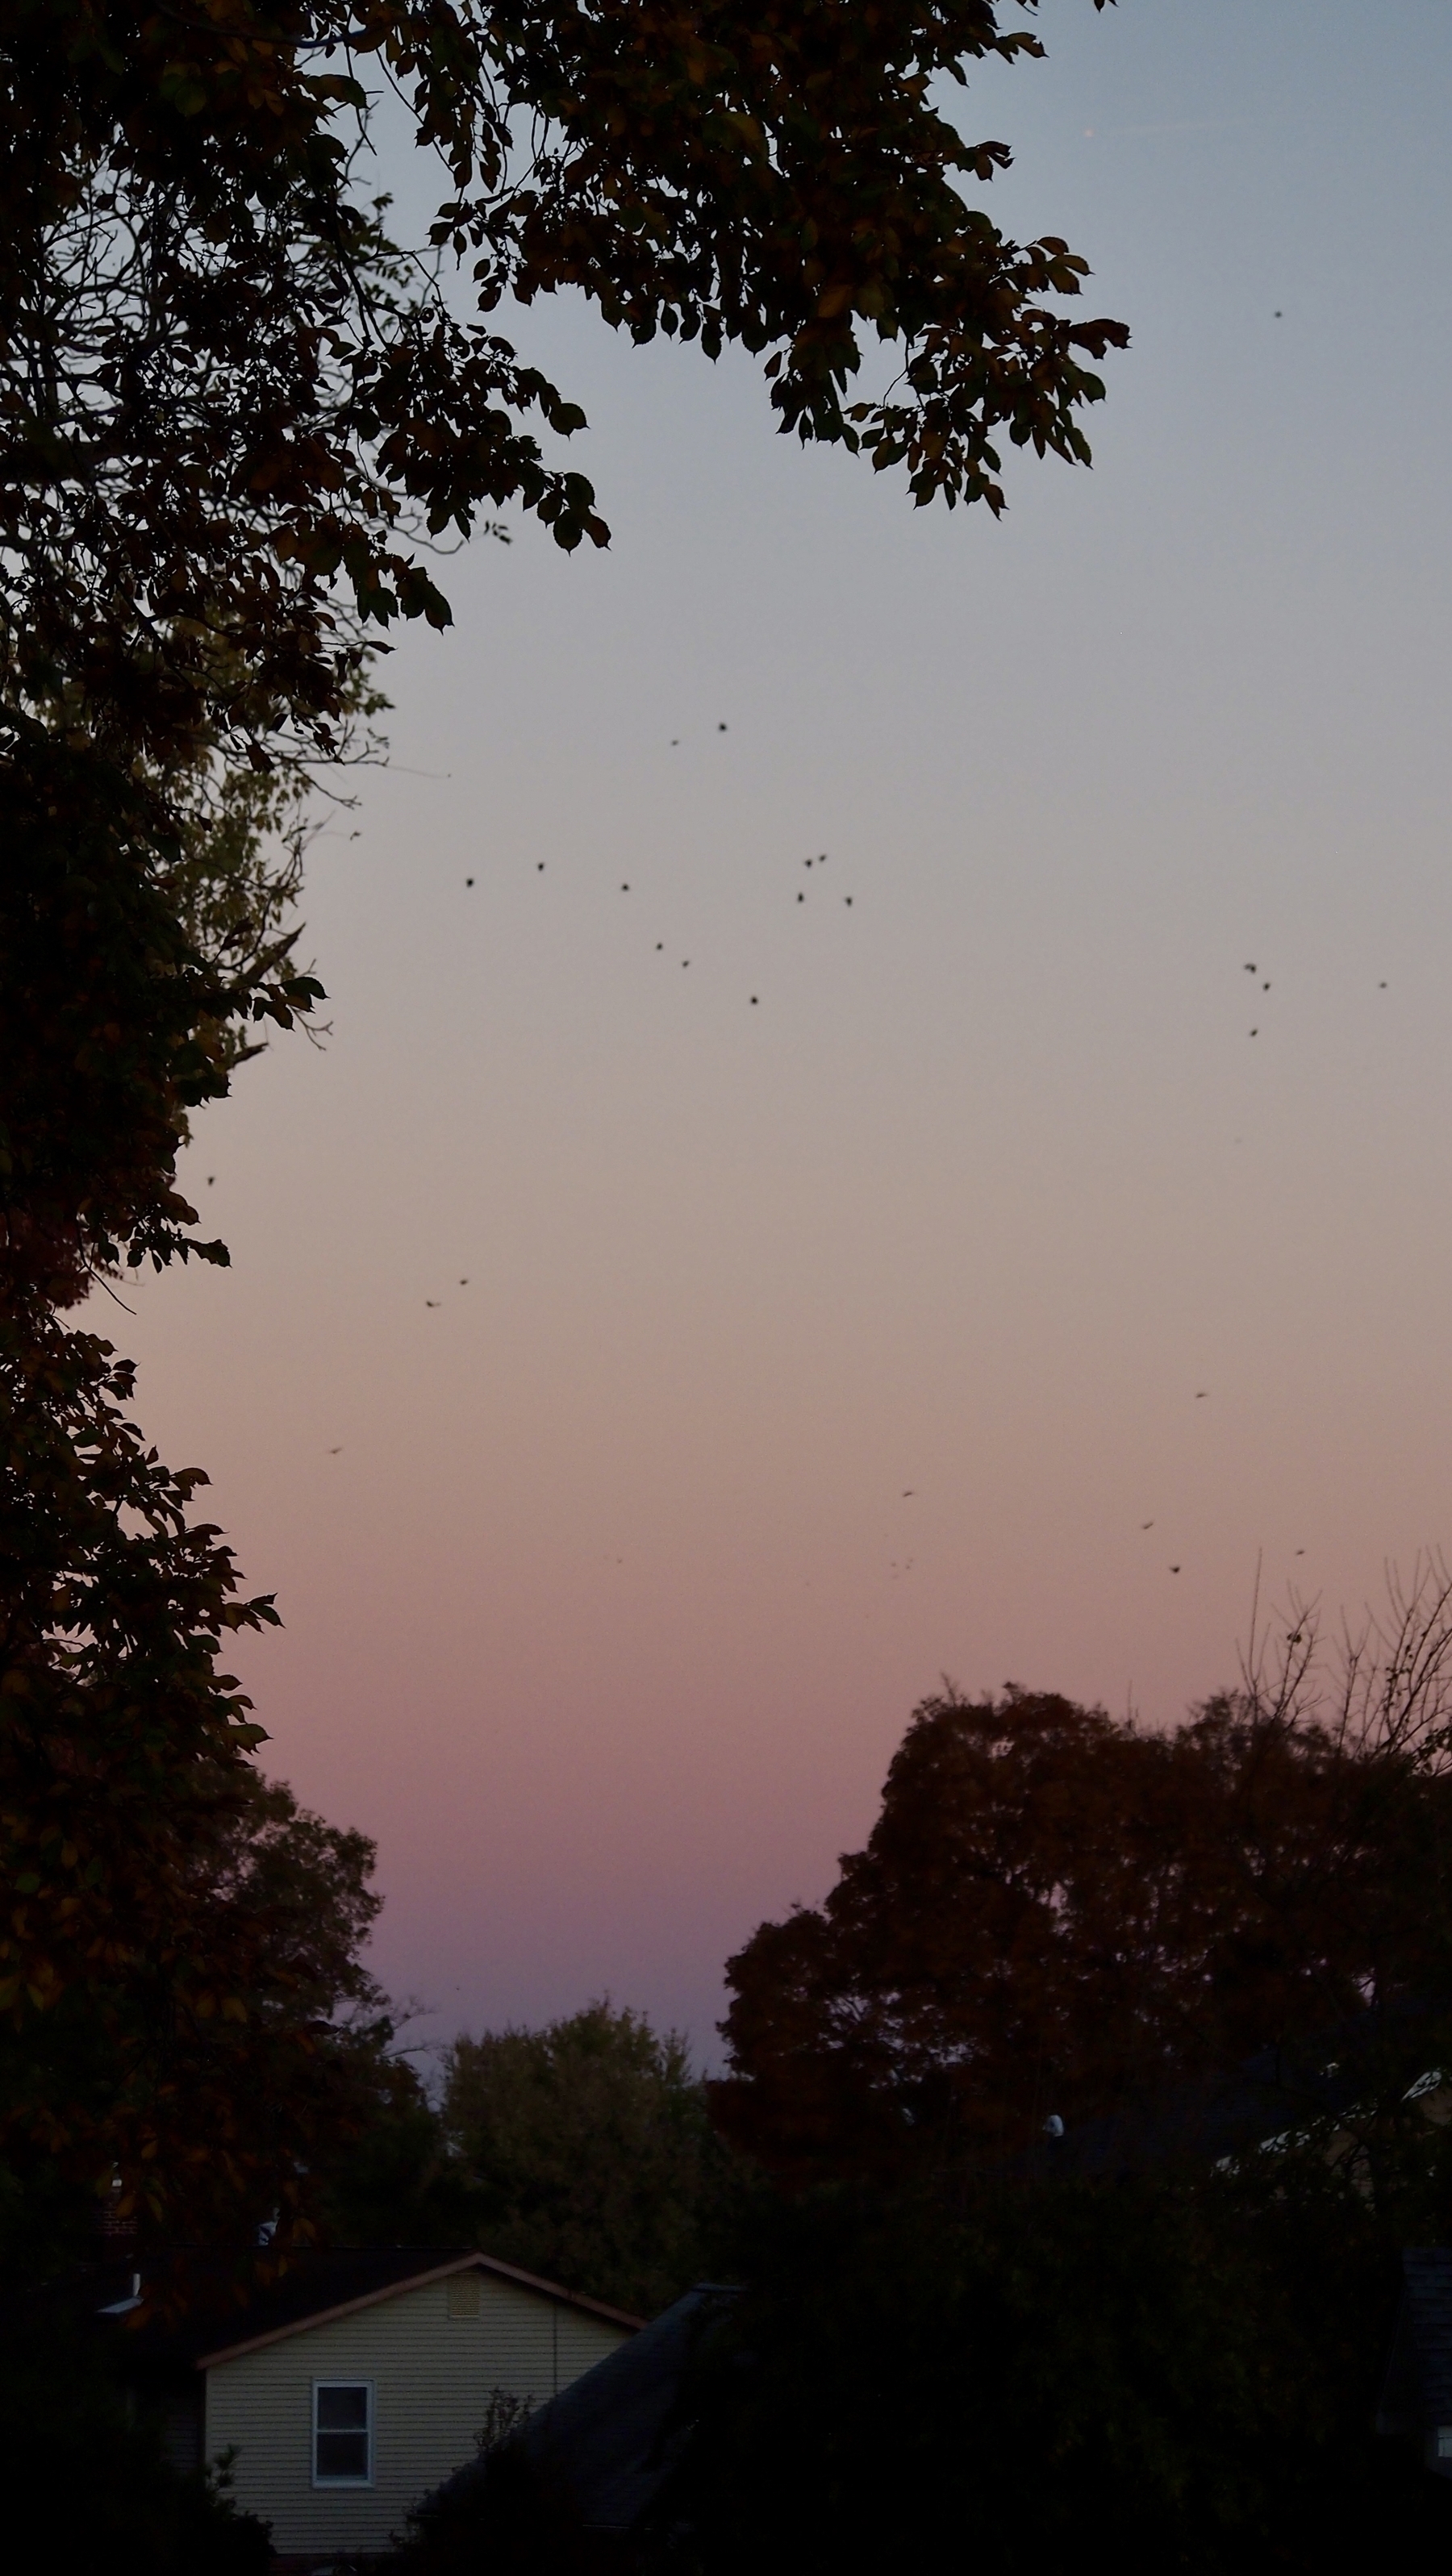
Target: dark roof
(612, 2437)
(221, 2306)
(1417, 2394)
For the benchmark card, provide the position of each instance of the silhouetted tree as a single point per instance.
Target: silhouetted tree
(589, 2150)
(204, 2046)
(1061, 1916)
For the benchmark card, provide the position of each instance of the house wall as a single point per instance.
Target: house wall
(432, 2377)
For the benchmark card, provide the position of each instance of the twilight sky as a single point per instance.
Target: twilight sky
(813, 1349)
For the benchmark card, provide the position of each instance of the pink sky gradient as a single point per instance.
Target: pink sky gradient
(608, 1615)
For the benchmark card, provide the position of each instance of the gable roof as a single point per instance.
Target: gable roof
(213, 2308)
(339, 2284)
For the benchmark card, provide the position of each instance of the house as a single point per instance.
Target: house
(355, 2382)
(1416, 2397)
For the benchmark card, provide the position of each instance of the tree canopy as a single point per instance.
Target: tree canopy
(589, 2153)
(204, 2041)
(226, 390)
(1059, 1916)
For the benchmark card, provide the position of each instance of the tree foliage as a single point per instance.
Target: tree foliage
(226, 390)
(589, 2153)
(1149, 2375)
(191, 2039)
(1060, 1915)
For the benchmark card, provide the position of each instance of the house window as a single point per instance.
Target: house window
(342, 2433)
(1444, 2441)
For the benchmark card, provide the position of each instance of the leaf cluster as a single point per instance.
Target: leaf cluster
(232, 409)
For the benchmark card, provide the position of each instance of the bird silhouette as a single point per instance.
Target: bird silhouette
(539, 866)
(1174, 1569)
(463, 1283)
(625, 889)
(801, 898)
(338, 1452)
(1144, 1525)
(1255, 1033)
(1200, 1394)
(431, 1301)
(468, 881)
(847, 899)
(211, 1177)
(1252, 968)
(753, 997)
(720, 728)
(908, 1492)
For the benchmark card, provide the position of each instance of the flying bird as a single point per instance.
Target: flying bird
(1144, 1525)
(468, 881)
(1252, 968)
(625, 889)
(431, 1301)
(211, 1177)
(463, 1283)
(908, 1492)
(720, 728)
(539, 866)
(847, 898)
(801, 898)
(1174, 1569)
(338, 1452)
(1200, 1393)
(753, 997)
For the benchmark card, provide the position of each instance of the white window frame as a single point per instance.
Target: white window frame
(330, 2484)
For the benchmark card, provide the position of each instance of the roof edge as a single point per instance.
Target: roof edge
(475, 2262)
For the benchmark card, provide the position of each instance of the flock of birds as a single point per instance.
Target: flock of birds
(819, 861)
(897, 1568)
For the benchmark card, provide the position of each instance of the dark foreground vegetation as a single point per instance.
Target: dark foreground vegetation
(1086, 2123)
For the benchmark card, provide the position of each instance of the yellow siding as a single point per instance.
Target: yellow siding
(432, 2376)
